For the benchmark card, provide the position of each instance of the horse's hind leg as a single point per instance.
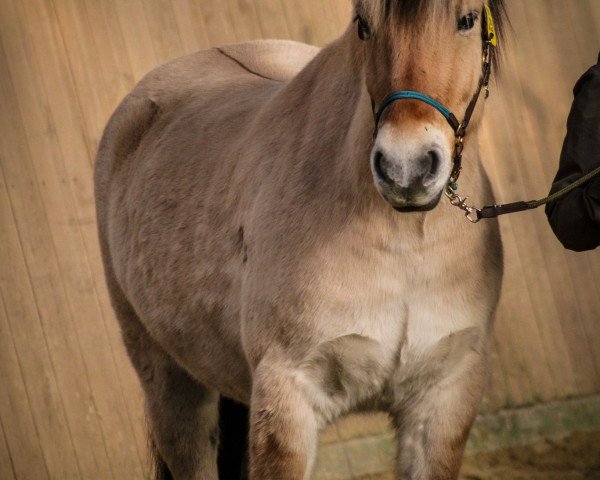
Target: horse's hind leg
(182, 414)
(233, 445)
(183, 418)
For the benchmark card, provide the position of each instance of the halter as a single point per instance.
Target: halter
(460, 128)
(474, 214)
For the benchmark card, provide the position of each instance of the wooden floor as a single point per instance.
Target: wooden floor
(70, 406)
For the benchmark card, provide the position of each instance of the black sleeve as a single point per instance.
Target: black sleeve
(575, 219)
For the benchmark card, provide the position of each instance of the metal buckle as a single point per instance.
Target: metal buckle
(471, 213)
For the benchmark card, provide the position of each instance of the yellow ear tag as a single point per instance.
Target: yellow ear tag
(491, 29)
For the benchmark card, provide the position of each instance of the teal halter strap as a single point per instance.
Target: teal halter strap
(411, 95)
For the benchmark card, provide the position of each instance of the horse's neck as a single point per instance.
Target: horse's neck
(332, 81)
(334, 116)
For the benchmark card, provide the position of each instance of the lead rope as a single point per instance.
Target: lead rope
(474, 214)
(493, 211)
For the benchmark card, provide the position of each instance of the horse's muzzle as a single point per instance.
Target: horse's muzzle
(409, 183)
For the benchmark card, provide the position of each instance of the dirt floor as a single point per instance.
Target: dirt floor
(575, 457)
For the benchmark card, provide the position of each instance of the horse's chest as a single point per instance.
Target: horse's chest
(414, 299)
(387, 319)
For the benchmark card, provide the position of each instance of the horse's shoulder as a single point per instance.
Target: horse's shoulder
(276, 59)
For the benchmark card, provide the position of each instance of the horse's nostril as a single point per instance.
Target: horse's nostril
(379, 168)
(429, 167)
(435, 162)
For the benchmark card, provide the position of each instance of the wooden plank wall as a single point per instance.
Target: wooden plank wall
(70, 406)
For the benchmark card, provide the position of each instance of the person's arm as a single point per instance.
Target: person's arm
(575, 219)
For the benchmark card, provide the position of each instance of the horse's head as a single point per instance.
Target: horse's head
(434, 47)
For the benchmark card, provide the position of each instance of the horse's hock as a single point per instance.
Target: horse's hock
(70, 403)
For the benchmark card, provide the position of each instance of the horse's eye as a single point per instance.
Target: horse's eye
(466, 23)
(364, 32)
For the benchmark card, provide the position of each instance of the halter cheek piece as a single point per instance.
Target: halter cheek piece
(459, 128)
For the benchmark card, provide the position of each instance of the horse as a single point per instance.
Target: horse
(264, 241)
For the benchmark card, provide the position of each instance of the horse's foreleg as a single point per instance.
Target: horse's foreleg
(283, 427)
(290, 404)
(435, 403)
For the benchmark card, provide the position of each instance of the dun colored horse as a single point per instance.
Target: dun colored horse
(261, 244)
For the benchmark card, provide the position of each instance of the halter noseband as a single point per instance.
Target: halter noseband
(459, 128)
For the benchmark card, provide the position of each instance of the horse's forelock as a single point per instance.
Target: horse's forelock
(411, 11)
